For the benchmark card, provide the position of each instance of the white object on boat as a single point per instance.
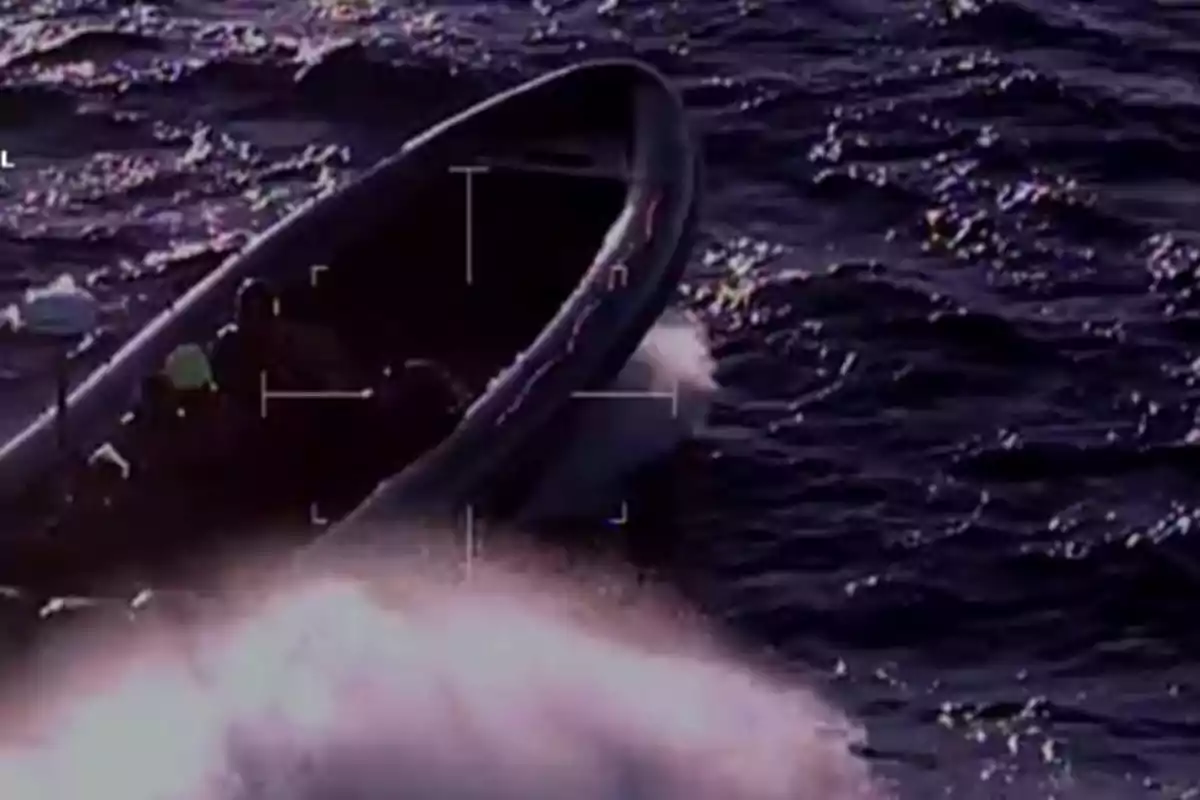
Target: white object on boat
(62, 308)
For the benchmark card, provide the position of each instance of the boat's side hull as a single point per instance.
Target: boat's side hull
(499, 452)
(583, 346)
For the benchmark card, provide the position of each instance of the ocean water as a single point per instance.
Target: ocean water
(948, 271)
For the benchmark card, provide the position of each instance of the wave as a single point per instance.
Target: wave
(520, 683)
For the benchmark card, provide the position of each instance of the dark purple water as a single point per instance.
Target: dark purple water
(950, 260)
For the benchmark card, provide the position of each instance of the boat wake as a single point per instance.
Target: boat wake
(658, 401)
(412, 683)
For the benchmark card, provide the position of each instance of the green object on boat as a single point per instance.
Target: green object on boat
(188, 368)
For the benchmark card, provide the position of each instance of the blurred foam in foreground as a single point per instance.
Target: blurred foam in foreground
(512, 685)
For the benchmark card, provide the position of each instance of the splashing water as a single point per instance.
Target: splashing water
(413, 687)
(661, 398)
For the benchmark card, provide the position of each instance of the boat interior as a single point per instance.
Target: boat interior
(316, 386)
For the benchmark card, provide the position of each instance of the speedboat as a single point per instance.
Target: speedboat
(411, 343)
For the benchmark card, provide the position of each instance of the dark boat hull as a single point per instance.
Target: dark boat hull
(492, 461)
(613, 120)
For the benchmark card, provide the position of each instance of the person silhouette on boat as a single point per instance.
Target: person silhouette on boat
(405, 411)
(297, 355)
(205, 413)
(199, 456)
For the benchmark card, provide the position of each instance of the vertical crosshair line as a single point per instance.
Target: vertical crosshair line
(469, 173)
(470, 543)
(470, 234)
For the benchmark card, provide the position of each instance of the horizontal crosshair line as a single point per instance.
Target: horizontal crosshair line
(618, 394)
(360, 394)
(266, 394)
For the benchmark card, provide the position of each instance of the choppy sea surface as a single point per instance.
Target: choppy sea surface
(950, 266)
